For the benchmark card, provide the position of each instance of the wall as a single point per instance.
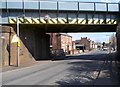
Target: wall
(54, 40)
(65, 42)
(85, 42)
(5, 46)
(34, 45)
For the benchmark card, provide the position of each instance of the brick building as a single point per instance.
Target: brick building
(61, 41)
(87, 43)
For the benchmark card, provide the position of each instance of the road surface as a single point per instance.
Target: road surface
(85, 69)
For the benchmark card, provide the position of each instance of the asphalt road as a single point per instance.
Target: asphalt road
(85, 69)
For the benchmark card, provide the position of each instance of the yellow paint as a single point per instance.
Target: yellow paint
(18, 44)
(84, 22)
(61, 21)
(90, 21)
(96, 21)
(12, 20)
(28, 20)
(49, 21)
(101, 21)
(80, 20)
(73, 21)
(21, 20)
(36, 21)
(55, 21)
(43, 21)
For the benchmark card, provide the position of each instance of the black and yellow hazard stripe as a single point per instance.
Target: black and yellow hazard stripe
(61, 21)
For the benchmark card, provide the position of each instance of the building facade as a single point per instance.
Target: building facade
(84, 43)
(61, 41)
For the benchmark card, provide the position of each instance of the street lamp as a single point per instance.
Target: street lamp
(18, 42)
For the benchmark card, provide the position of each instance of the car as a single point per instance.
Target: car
(57, 54)
(105, 48)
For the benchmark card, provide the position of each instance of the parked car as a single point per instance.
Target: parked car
(57, 54)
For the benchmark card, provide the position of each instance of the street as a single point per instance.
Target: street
(92, 68)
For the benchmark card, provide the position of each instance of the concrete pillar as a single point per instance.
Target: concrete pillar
(118, 41)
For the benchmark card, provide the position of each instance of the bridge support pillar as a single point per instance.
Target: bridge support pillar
(34, 45)
(118, 41)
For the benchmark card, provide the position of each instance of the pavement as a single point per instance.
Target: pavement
(24, 65)
(30, 63)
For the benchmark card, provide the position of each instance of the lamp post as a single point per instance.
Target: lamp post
(18, 42)
(17, 61)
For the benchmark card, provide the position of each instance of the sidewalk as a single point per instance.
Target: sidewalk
(109, 73)
(27, 64)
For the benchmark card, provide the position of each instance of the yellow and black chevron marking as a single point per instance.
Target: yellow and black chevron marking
(108, 21)
(12, 20)
(74, 21)
(96, 21)
(101, 21)
(54, 21)
(28, 20)
(61, 21)
(114, 21)
(35, 20)
(90, 21)
(21, 20)
(82, 21)
(111, 21)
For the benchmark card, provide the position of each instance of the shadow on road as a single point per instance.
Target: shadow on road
(98, 57)
(96, 72)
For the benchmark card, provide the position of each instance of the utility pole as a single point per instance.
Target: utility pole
(17, 61)
(18, 42)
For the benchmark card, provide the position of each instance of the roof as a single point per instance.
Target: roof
(64, 34)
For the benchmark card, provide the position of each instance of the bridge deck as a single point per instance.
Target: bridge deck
(68, 27)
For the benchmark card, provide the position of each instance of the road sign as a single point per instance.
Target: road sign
(46, 17)
(15, 39)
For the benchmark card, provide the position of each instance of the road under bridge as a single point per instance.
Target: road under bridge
(33, 22)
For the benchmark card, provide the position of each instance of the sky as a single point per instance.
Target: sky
(97, 37)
